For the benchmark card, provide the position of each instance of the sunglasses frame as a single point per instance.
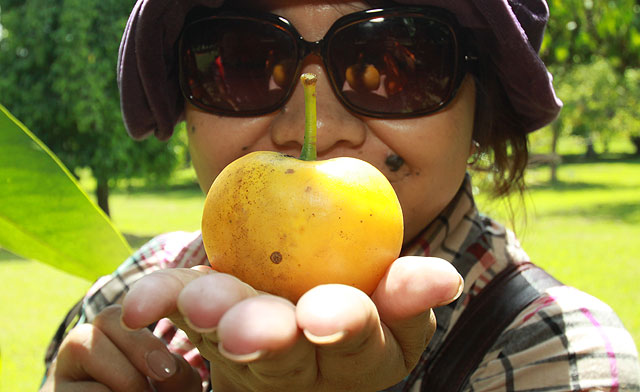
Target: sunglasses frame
(465, 59)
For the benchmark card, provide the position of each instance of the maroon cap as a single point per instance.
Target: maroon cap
(510, 30)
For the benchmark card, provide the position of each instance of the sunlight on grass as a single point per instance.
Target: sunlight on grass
(33, 301)
(161, 211)
(585, 230)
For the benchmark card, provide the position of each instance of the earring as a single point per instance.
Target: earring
(475, 155)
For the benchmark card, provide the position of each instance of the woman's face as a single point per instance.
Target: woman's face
(434, 148)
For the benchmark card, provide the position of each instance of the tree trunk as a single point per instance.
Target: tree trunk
(635, 140)
(591, 151)
(102, 193)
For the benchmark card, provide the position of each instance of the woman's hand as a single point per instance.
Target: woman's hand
(105, 356)
(335, 339)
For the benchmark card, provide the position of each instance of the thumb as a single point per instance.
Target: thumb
(406, 294)
(185, 379)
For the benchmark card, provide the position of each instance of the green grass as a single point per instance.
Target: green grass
(33, 300)
(585, 230)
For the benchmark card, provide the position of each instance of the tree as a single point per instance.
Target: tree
(579, 31)
(593, 94)
(58, 61)
(626, 117)
(582, 36)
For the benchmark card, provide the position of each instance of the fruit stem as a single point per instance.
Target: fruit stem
(308, 152)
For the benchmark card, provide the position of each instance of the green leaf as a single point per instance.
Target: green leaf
(44, 215)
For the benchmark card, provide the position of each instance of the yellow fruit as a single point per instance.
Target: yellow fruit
(280, 75)
(363, 77)
(284, 225)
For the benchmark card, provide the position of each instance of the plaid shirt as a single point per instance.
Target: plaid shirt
(566, 340)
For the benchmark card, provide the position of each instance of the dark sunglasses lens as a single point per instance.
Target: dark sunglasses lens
(234, 65)
(394, 65)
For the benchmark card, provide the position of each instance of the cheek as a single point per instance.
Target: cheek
(213, 144)
(202, 149)
(435, 154)
(425, 191)
(204, 165)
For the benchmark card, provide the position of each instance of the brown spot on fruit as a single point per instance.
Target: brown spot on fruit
(289, 171)
(276, 257)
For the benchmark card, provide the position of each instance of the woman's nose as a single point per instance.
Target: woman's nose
(336, 124)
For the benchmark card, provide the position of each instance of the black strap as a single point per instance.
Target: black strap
(484, 319)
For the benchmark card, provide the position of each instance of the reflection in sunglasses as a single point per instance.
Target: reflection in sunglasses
(363, 77)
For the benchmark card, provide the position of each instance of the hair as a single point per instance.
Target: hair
(499, 132)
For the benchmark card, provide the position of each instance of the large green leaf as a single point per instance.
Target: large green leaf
(44, 215)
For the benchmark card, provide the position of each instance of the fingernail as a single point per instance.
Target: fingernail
(327, 339)
(457, 295)
(162, 364)
(460, 288)
(202, 330)
(125, 326)
(203, 268)
(240, 358)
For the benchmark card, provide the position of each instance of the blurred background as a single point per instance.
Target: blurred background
(580, 218)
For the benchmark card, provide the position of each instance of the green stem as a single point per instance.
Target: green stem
(310, 127)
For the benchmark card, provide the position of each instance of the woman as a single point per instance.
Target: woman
(451, 79)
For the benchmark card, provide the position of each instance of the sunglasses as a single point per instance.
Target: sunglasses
(386, 63)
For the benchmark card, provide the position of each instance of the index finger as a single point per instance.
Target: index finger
(154, 296)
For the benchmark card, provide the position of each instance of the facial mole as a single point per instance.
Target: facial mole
(394, 162)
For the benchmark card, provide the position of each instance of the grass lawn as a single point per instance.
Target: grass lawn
(584, 230)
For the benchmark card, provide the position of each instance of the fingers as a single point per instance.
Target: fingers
(87, 355)
(149, 355)
(414, 284)
(105, 356)
(404, 297)
(257, 326)
(200, 296)
(154, 296)
(204, 300)
(185, 378)
(388, 332)
(353, 348)
(328, 313)
(143, 350)
(262, 332)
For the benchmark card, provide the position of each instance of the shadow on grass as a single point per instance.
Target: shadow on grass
(577, 161)
(181, 185)
(625, 212)
(183, 191)
(136, 241)
(602, 158)
(565, 186)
